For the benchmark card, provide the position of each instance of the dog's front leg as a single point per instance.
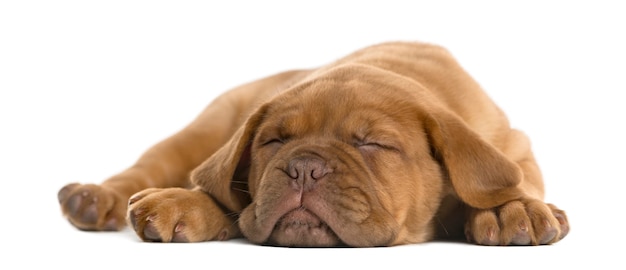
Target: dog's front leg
(179, 215)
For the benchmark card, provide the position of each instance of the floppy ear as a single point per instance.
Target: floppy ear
(480, 174)
(224, 175)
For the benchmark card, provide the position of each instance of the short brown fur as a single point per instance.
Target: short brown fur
(393, 144)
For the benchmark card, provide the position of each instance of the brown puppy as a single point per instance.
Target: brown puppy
(393, 144)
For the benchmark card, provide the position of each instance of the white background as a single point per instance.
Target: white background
(86, 87)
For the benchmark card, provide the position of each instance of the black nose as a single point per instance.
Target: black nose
(307, 171)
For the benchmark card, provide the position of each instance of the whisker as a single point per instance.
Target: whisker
(232, 214)
(239, 182)
(443, 226)
(241, 190)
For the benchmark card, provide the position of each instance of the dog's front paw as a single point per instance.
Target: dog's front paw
(92, 207)
(521, 222)
(178, 215)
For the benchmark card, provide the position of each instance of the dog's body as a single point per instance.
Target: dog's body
(393, 144)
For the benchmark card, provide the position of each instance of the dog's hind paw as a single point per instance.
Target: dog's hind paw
(92, 207)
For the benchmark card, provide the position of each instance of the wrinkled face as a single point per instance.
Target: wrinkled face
(341, 164)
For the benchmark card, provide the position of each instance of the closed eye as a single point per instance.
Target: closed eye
(273, 142)
(374, 146)
(370, 145)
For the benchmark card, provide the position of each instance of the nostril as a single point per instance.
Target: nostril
(318, 172)
(292, 171)
(296, 168)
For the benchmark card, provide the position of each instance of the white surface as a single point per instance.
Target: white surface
(85, 87)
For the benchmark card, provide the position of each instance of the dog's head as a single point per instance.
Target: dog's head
(356, 156)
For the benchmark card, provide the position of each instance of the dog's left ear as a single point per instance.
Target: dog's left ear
(480, 174)
(224, 175)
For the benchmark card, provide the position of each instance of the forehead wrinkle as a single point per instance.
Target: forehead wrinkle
(289, 121)
(361, 121)
(374, 124)
(274, 119)
(329, 106)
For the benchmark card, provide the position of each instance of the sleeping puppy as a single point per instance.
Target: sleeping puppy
(393, 144)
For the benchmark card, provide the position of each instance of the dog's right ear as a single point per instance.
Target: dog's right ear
(224, 175)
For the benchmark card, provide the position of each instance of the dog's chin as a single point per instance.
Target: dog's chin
(301, 228)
